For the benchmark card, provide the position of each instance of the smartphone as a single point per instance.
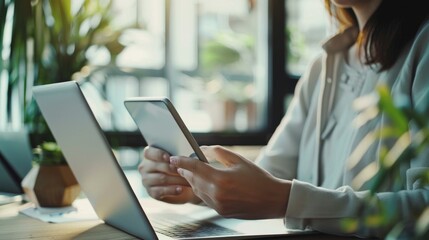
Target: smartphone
(162, 127)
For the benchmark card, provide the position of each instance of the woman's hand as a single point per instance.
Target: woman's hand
(240, 190)
(161, 179)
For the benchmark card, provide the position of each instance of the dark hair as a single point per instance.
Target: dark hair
(387, 32)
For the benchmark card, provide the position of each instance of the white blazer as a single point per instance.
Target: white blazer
(320, 201)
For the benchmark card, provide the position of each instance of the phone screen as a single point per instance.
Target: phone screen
(162, 127)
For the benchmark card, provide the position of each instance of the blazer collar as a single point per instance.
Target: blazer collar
(341, 41)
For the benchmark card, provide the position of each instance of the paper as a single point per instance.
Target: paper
(80, 211)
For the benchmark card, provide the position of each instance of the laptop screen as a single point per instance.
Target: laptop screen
(90, 157)
(15, 160)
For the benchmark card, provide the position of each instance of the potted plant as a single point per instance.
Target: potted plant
(44, 42)
(50, 183)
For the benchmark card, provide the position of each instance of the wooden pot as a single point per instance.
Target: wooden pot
(51, 186)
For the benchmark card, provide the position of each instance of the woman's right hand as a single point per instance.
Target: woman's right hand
(161, 179)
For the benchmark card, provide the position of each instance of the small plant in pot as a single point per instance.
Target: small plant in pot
(51, 182)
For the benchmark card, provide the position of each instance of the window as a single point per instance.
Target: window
(214, 64)
(306, 29)
(220, 62)
(208, 57)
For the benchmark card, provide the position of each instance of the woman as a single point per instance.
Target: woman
(302, 175)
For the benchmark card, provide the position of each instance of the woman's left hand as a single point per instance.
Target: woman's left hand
(240, 190)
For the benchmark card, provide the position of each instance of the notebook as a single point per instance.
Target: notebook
(91, 159)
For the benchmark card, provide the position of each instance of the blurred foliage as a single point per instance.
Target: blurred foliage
(16, 28)
(48, 153)
(409, 129)
(64, 31)
(224, 50)
(295, 45)
(46, 41)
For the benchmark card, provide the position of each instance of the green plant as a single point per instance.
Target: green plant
(64, 32)
(48, 153)
(409, 129)
(46, 41)
(16, 28)
(295, 47)
(224, 50)
(42, 42)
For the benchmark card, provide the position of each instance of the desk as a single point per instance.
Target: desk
(14, 225)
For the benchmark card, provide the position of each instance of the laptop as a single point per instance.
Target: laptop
(15, 161)
(91, 159)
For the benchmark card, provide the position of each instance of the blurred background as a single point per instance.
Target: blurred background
(229, 67)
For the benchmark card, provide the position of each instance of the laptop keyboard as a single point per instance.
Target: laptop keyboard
(184, 228)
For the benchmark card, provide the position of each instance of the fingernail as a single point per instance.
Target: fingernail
(178, 190)
(165, 157)
(180, 171)
(173, 160)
